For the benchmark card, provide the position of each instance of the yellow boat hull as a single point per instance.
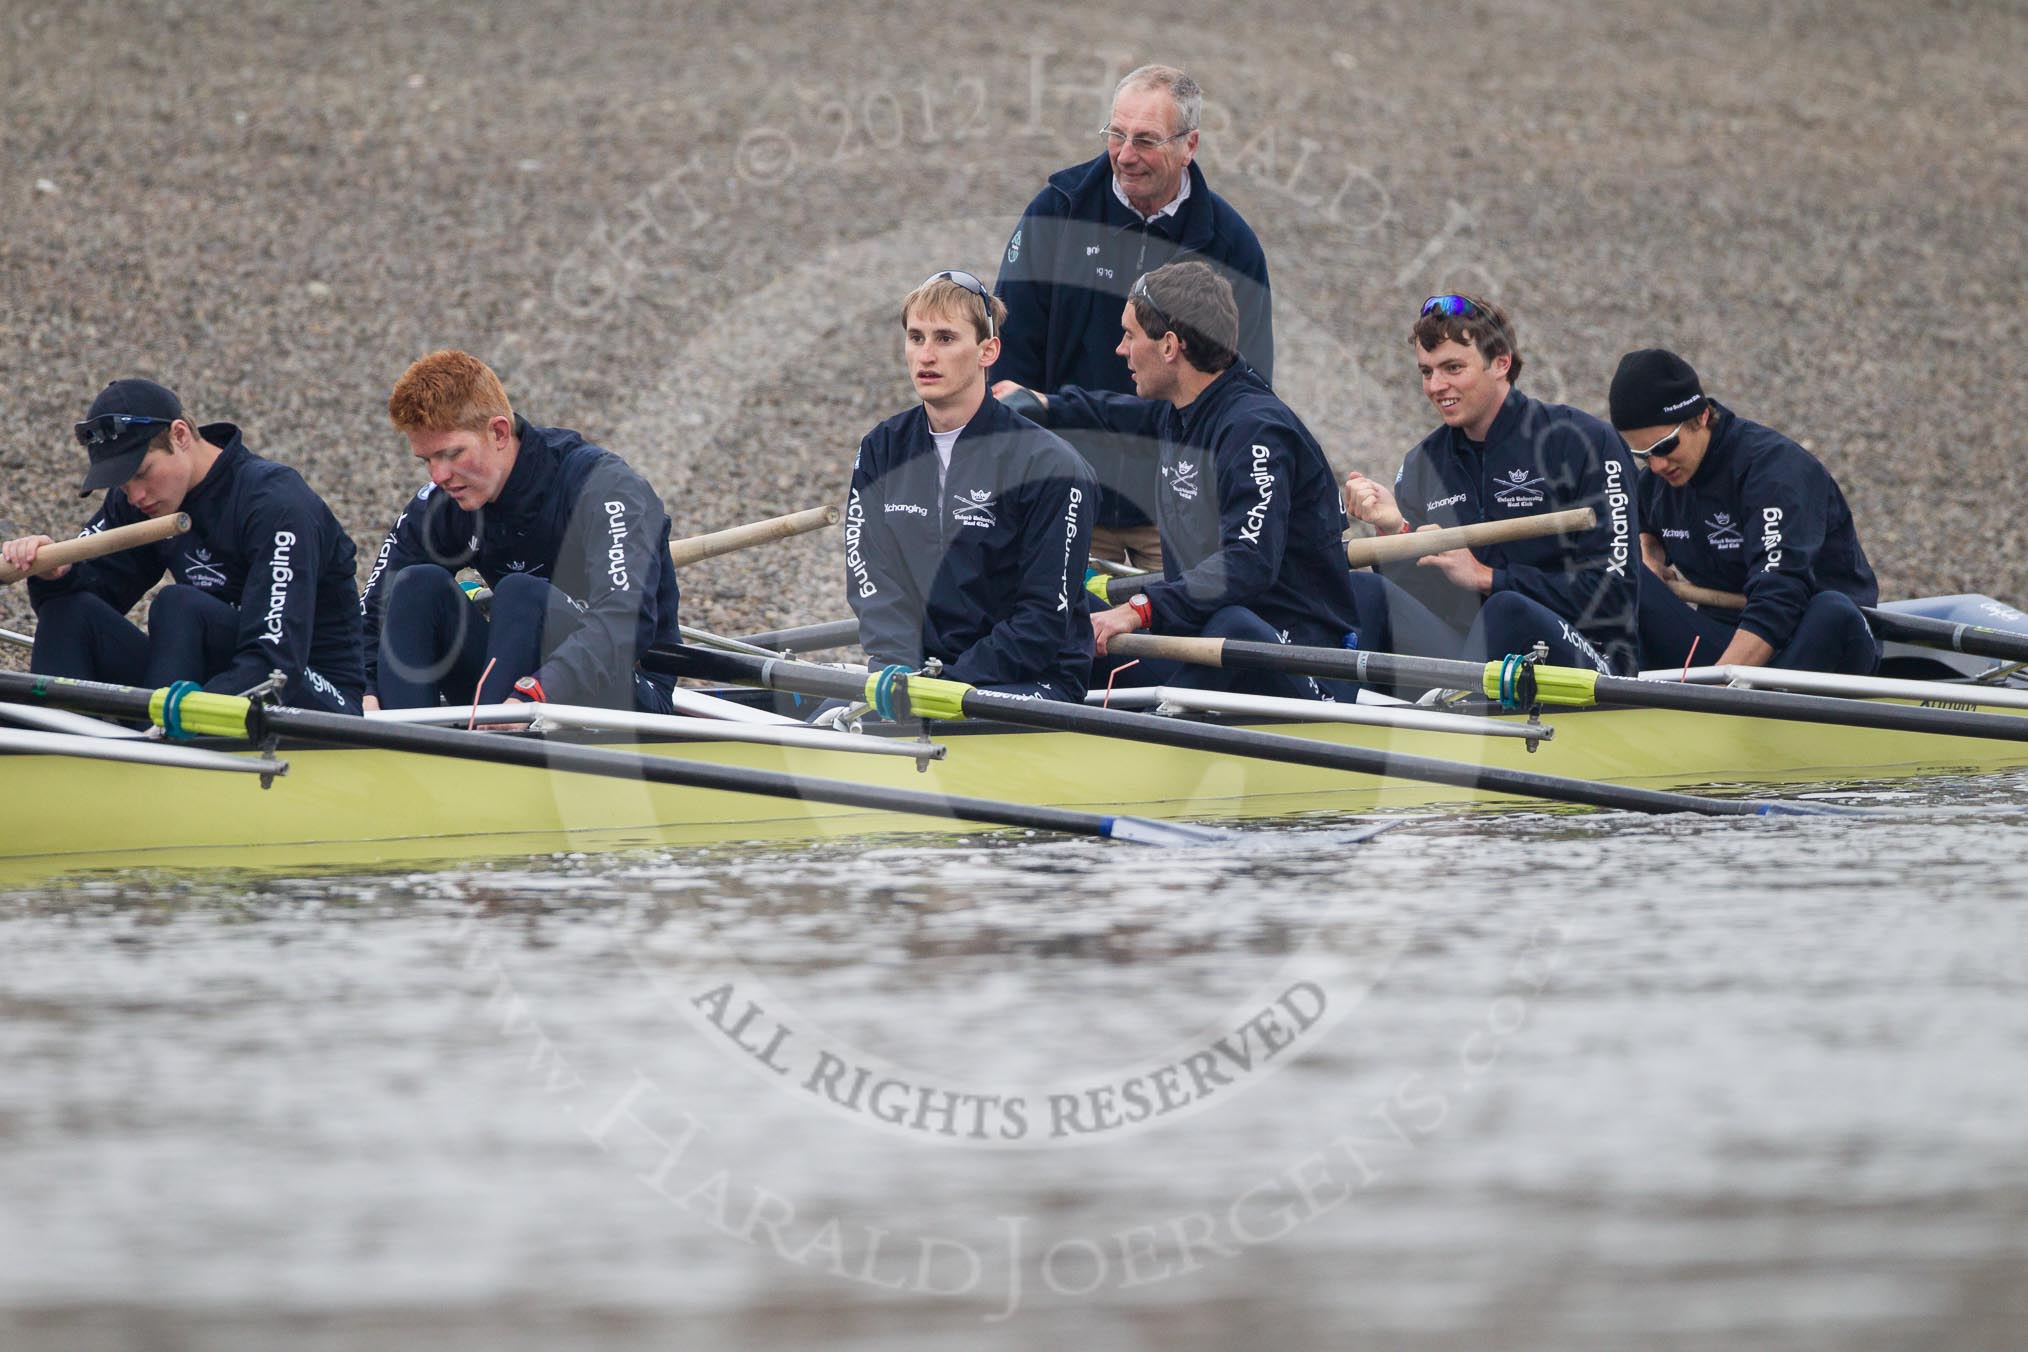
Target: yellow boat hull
(339, 807)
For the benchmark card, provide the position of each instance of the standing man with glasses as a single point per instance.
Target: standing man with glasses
(1736, 507)
(1080, 244)
(262, 582)
(1501, 454)
(967, 527)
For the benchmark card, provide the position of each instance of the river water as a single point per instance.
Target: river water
(1507, 1079)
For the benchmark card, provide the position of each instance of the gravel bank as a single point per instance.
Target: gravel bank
(683, 230)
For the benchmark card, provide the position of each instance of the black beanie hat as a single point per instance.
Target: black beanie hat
(1654, 388)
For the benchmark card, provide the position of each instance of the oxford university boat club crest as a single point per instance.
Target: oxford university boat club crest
(1182, 479)
(1519, 489)
(974, 508)
(201, 570)
(1723, 532)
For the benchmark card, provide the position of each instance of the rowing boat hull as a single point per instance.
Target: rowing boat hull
(369, 807)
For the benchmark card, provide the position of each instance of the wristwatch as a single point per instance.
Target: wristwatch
(530, 688)
(1138, 603)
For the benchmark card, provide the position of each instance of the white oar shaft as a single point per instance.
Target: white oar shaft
(666, 725)
(699, 547)
(1937, 694)
(20, 640)
(1416, 544)
(1706, 597)
(1406, 718)
(63, 552)
(63, 720)
(143, 752)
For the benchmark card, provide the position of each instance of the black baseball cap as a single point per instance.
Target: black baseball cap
(126, 416)
(1653, 388)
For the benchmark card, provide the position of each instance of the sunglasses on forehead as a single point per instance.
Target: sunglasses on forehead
(1452, 307)
(1140, 293)
(111, 427)
(973, 285)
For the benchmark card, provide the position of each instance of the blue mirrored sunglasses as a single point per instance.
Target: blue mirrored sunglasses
(1451, 307)
(110, 427)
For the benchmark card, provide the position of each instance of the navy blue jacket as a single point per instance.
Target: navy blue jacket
(259, 540)
(573, 514)
(1065, 278)
(1249, 508)
(1764, 517)
(1537, 458)
(986, 575)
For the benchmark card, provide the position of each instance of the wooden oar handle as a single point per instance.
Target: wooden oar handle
(1705, 596)
(1201, 652)
(700, 547)
(63, 552)
(1416, 544)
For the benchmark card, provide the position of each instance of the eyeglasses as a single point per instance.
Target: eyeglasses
(1140, 293)
(1452, 307)
(1144, 143)
(1663, 446)
(973, 285)
(111, 427)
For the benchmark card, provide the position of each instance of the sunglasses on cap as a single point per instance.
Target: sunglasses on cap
(108, 428)
(1662, 446)
(973, 285)
(1140, 293)
(1452, 307)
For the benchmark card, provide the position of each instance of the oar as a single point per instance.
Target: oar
(935, 698)
(808, 638)
(1369, 550)
(1372, 549)
(1976, 639)
(21, 640)
(139, 752)
(211, 715)
(1567, 685)
(699, 547)
(55, 555)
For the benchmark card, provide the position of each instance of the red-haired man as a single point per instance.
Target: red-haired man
(573, 542)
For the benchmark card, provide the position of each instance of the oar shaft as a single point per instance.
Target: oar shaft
(699, 547)
(1365, 552)
(1390, 669)
(808, 638)
(502, 749)
(1975, 639)
(1061, 717)
(1706, 597)
(63, 552)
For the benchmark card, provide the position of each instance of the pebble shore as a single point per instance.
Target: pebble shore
(684, 230)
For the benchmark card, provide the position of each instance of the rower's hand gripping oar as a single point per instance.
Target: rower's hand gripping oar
(191, 712)
(1370, 550)
(62, 553)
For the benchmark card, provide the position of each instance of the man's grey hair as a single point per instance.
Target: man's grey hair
(1189, 98)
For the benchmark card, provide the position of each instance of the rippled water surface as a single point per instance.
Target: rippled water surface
(1514, 1080)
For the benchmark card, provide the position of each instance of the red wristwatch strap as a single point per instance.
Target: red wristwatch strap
(1142, 610)
(1405, 527)
(530, 688)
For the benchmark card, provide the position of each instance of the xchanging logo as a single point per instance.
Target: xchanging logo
(616, 551)
(1616, 508)
(1264, 480)
(280, 574)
